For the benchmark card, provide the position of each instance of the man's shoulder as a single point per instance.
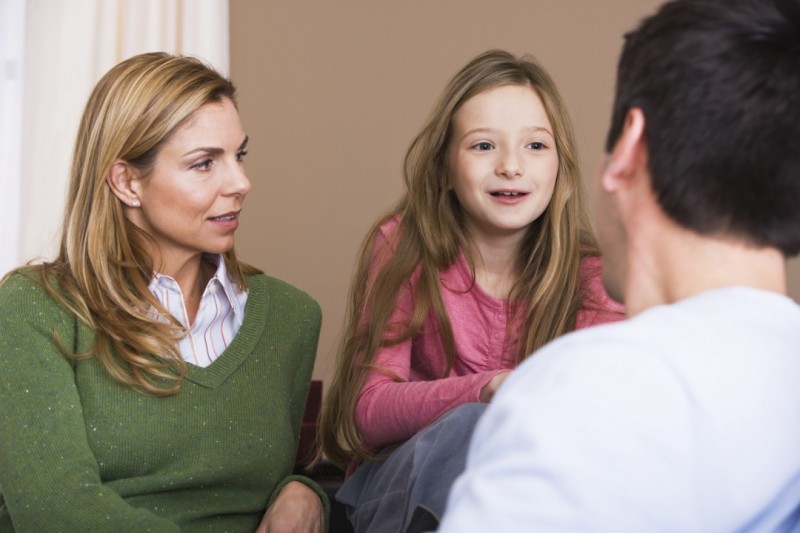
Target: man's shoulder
(673, 343)
(588, 353)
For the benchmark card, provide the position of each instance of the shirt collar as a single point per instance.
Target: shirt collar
(220, 278)
(228, 287)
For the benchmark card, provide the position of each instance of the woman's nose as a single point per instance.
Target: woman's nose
(237, 181)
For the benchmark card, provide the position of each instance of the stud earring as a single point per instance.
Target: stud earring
(135, 203)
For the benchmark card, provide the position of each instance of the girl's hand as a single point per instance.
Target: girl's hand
(297, 509)
(488, 390)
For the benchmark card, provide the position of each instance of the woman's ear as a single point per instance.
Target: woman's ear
(629, 156)
(121, 179)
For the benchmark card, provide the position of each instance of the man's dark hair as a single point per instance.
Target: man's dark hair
(719, 84)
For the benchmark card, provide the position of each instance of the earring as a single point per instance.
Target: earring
(135, 203)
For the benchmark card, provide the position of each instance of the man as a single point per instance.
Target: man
(686, 416)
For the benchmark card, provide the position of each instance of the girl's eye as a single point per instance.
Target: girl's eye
(240, 155)
(483, 146)
(537, 146)
(205, 164)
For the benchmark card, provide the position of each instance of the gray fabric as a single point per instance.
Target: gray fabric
(381, 495)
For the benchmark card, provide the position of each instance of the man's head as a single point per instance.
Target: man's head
(718, 83)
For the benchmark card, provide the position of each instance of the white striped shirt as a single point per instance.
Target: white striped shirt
(218, 319)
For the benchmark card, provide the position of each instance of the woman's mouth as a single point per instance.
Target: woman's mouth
(224, 218)
(226, 222)
(227, 217)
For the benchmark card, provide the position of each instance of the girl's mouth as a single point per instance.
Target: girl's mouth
(508, 194)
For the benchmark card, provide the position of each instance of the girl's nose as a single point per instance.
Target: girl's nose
(510, 165)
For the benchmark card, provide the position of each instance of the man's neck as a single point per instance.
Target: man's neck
(678, 263)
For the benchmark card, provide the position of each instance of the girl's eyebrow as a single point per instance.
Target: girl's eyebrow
(531, 129)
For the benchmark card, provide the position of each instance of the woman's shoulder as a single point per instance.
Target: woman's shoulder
(22, 283)
(282, 293)
(28, 304)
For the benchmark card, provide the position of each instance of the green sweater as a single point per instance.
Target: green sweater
(80, 452)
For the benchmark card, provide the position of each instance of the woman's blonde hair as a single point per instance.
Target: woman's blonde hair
(104, 264)
(430, 235)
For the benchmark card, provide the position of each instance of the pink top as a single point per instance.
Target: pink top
(388, 411)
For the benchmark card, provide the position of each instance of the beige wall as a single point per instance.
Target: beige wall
(332, 92)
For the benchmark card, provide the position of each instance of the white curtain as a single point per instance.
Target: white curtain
(68, 46)
(12, 15)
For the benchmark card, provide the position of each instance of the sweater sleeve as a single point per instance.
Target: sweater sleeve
(48, 473)
(305, 312)
(392, 406)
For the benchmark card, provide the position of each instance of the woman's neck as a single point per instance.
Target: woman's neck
(192, 277)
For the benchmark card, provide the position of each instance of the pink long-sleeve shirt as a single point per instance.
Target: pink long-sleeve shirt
(388, 411)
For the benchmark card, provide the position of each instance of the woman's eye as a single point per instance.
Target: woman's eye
(482, 146)
(537, 146)
(240, 155)
(205, 164)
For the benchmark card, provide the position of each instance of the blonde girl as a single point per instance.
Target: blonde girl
(487, 257)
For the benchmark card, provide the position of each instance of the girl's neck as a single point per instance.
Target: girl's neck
(495, 263)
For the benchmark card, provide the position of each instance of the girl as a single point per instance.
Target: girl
(486, 258)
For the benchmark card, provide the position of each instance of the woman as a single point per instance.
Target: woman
(486, 258)
(152, 381)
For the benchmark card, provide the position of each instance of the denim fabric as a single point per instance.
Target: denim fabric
(381, 495)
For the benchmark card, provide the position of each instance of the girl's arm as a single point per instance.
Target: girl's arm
(48, 474)
(395, 402)
(390, 411)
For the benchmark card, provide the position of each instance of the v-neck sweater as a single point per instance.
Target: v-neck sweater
(81, 452)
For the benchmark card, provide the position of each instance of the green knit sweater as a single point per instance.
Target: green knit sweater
(80, 452)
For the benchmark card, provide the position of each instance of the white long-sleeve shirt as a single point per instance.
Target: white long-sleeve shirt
(685, 418)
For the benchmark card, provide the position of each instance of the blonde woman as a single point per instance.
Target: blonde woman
(487, 257)
(150, 380)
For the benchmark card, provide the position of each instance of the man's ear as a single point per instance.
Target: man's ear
(629, 156)
(121, 179)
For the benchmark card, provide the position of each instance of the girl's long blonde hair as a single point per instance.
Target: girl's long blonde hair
(104, 264)
(431, 234)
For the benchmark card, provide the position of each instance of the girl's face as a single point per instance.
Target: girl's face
(502, 161)
(191, 201)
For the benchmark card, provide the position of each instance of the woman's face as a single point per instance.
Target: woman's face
(502, 161)
(191, 201)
